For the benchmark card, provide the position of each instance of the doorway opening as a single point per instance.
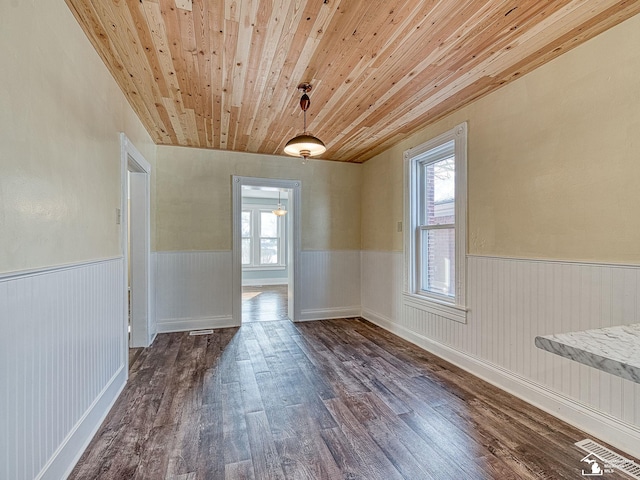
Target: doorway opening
(265, 263)
(140, 329)
(266, 249)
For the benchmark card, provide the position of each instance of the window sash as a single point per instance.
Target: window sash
(423, 227)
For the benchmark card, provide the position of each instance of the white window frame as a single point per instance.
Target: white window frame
(451, 308)
(255, 210)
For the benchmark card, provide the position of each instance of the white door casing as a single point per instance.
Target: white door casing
(143, 328)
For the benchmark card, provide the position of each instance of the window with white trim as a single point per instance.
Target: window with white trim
(262, 237)
(435, 237)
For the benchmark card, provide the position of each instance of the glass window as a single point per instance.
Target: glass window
(246, 251)
(246, 223)
(269, 251)
(436, 217)
(440, 192)
(246, 237)
(436, 224)
(268, 224)
(262, 237)
(437, 267)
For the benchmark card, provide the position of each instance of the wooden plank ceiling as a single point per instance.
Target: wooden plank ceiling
(223, 74)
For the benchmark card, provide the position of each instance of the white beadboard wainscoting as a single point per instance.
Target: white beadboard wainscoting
(63, 363)
(262, 279)
(193, 289)
(330, 284)
(510, 302)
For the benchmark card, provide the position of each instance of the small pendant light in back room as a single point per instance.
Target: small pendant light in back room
(280, 211)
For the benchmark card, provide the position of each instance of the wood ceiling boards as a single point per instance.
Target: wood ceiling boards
(223, 73)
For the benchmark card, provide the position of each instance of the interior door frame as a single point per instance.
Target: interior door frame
(143, 325)
(295, 244)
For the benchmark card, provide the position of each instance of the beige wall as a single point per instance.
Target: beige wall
(194, 198)
(554, 161)
(60, 115)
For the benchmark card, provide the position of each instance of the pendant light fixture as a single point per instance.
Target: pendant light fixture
(305, 145)
(280, 211)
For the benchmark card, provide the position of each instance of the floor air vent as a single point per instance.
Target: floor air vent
(201, 332)
(609, 458)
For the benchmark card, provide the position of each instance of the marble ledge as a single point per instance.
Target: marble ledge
(615, 350)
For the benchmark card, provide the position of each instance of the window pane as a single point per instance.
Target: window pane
(438, 253)
(440, 192)
(246, 251)
(268, 225)
(246, 224)
(268, 251)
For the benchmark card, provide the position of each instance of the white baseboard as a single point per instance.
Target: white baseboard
(259, 282)
(188, 324)
(329, 313)
(71, 449)
(601, 425)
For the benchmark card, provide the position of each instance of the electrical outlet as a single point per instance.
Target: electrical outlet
(118, 216)
(399, 226)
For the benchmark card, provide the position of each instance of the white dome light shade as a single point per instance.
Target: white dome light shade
(304, 146)
(280, 211)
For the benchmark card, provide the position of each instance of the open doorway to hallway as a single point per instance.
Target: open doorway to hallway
(265, 226)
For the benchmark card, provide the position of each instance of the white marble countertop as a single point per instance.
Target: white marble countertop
(614, 350)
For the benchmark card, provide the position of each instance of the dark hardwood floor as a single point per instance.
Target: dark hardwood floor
(264, 303)
(134, 353)
(339, 399)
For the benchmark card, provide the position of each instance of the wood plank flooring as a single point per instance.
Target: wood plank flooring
(338, 399)
(264, 303)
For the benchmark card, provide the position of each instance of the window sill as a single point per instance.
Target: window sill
(457, 313)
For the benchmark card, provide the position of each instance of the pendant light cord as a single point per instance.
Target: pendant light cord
(305, 121)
